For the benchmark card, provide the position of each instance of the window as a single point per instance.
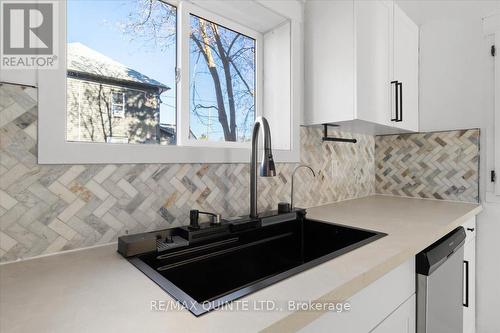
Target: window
(222, 82)
(118, 104)
(140, 89)
(222, 74)
(118, 48)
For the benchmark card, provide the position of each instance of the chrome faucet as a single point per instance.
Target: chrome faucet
(267, 168)
(293, 174)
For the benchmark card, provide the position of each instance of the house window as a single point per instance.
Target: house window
(118, 104)
(117, 48)
(222, 82)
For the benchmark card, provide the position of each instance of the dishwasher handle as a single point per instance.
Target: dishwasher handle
(466, 282)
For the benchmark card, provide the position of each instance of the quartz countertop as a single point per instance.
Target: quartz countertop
(97, 290)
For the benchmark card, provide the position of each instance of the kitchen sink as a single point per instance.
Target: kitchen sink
(207, 274)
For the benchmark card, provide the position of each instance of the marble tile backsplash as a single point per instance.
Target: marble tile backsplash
(51, 208)
(436, 165)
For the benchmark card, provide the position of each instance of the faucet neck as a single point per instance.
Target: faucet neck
(293, 176)
(267, 165)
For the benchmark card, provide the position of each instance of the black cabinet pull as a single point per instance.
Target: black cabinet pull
(400, 86)
(397, 100)
(466, 303)
(470, 229)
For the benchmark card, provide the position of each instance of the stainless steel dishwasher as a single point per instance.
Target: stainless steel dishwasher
(439, 285)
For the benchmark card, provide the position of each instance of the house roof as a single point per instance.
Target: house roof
(84, 60)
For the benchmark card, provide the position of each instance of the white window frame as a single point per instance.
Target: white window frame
(118, 139)
(185, 10)
(113, 104)
(53, 147)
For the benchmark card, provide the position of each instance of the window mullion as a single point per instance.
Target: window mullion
(259, 76)
(183, 33)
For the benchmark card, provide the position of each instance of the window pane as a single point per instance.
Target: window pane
(118, 111)
(222, 83)
(121, 71)
(118, 98)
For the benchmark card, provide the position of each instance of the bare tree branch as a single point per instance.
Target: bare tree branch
(228, 52)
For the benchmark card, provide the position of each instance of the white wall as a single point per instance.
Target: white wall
(456, 92)
(454, 78)
(26, 77)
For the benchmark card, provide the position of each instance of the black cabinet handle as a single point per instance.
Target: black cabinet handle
(466, 264)
(400, 86)
(470, 229)
(397, 100)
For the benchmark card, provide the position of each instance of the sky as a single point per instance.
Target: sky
(96, 24)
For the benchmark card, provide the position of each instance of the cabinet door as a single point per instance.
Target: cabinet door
(406, 39)
(329, 61)
(402, 320)
(370, 305)
(469, 290)
(374, 20)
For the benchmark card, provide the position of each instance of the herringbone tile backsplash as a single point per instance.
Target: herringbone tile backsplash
(436, 165)
(50, 208)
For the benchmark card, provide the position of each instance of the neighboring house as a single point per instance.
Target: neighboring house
(109, 102)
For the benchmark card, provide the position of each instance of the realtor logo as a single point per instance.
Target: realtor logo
(29, 34)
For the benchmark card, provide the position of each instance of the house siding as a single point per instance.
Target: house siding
(90, 118)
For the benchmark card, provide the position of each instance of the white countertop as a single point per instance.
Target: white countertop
(96, 290)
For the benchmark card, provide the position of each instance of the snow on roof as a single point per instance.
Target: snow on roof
(85, 60)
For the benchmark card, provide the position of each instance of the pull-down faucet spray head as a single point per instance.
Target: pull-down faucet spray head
(267, 168)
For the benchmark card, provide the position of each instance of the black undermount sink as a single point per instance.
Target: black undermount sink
(238, 258)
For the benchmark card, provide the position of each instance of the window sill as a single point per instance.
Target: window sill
(104, 153)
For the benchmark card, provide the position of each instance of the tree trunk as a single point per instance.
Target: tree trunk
(229, 82)
(212, 67)
(101, 116)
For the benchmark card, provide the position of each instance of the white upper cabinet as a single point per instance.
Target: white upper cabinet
(373, 61)
(406, 68)
(329, 61)
(361, 66)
